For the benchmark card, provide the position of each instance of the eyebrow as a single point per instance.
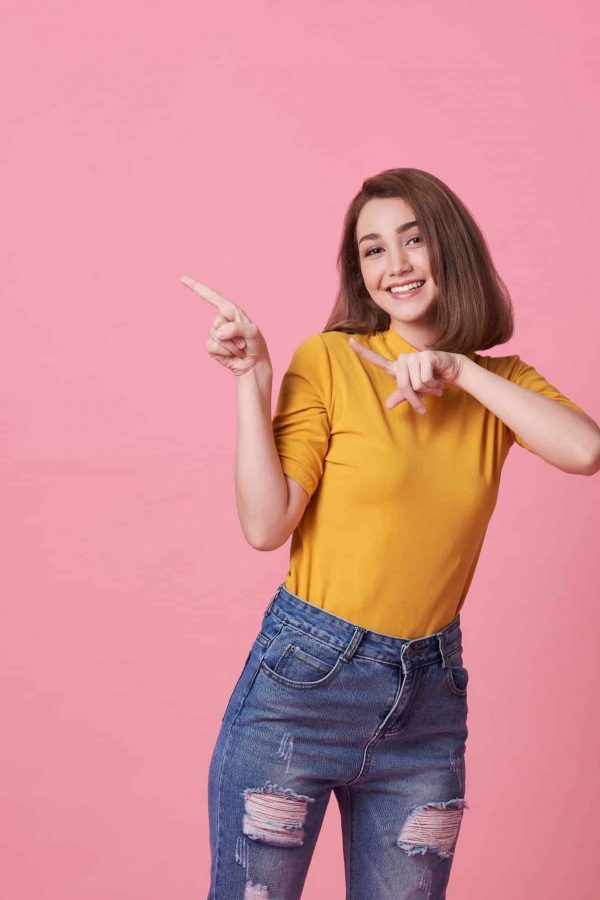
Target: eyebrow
(399, 230)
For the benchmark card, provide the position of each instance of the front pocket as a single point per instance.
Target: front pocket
(298, 659)
(457, 676)
(293, 663)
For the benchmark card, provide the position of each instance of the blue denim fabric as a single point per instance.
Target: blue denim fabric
(324, 705)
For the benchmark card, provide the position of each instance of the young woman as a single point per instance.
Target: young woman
(383, 462)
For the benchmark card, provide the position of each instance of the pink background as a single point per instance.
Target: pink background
(144, 140)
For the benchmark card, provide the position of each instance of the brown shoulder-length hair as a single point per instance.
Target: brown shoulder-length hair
(474, 308)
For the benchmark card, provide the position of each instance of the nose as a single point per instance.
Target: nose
(399, 261)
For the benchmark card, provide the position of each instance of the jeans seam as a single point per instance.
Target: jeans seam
(222, 766)
(351, 830)
(218, 848)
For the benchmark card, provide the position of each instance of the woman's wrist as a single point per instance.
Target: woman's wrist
(261, 373)
(465, 368)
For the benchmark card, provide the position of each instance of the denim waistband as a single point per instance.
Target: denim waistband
(351, 638)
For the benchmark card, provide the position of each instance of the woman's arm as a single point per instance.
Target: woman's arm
(267, 513)
(270, 504)
(563, 437)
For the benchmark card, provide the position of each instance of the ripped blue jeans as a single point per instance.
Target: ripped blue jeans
(323, 705)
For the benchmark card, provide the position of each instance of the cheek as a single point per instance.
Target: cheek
(372, 275)
(369, 279)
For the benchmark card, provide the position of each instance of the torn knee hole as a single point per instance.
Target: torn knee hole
(275, 815)
(433, 827)
(254, 891)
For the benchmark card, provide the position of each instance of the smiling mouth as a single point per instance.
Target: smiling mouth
(404, 292)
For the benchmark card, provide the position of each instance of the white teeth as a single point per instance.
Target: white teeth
(406, 287)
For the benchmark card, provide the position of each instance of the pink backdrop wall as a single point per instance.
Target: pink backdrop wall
(143, 140)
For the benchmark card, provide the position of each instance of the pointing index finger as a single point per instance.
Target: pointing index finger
(204, 291)
(372, 356)
(226, 307)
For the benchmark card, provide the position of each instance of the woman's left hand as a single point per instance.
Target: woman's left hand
(416, 374)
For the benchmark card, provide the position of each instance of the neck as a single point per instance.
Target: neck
(419, 336)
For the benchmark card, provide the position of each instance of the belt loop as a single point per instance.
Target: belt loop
(441, 642)
(354, 642)
(402, 660)
(273, 599)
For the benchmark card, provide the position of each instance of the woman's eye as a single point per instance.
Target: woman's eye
(416, 237)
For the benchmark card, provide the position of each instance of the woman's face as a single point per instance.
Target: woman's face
(397, 254)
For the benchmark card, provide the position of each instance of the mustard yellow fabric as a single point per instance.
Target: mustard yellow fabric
(399, 501)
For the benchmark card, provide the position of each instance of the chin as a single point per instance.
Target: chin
(412, 314)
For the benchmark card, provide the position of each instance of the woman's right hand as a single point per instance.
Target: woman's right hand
(234, 340)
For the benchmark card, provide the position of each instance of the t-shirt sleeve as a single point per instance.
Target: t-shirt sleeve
(301, 423)
(528, 377)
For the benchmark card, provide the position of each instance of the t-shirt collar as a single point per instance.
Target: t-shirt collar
(397, 344)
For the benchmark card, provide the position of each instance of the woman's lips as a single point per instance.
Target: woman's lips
(402, 295)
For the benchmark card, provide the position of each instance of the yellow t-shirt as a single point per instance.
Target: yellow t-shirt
(399, 501)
